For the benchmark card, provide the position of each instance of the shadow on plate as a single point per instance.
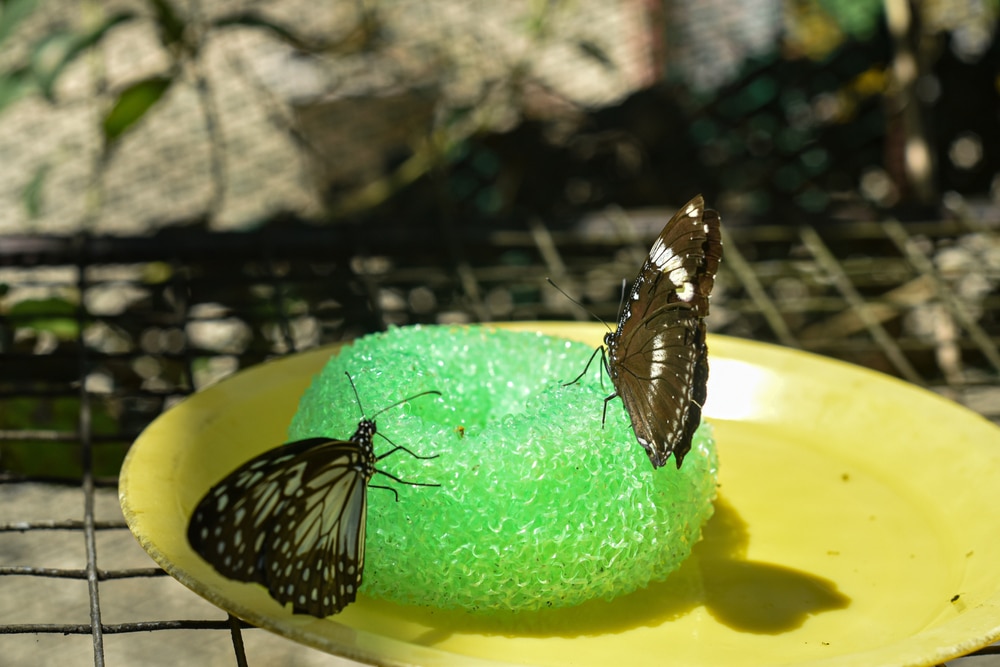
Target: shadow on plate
(744, 595)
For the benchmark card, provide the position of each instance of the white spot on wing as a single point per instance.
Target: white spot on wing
(685, 292)
(663, 257)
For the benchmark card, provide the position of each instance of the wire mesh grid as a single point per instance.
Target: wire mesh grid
(159, 317)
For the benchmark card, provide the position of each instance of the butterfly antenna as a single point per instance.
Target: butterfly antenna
(582, 307)
(621, 299)
(356, 396)
(430, 392)
(389, 407)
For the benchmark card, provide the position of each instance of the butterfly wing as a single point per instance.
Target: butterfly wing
(683, 261)
(658, 358)
(662, 381)
(292, 519)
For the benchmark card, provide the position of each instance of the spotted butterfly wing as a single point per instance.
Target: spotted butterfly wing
(658, 358)
(293, 519)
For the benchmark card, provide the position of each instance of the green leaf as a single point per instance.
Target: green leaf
(858, 18)
(54, 315)
(13, 12)
(132, 104)
(48, 57)
(32, 193)
(60, 460)
(15, 85)
(171, 25)
(55, 459)
(52, 54)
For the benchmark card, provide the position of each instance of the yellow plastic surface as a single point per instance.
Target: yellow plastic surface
(857, 524)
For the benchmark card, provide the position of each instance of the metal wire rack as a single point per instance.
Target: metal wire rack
(100, 334)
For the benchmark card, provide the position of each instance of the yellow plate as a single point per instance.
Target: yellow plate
(857, 524)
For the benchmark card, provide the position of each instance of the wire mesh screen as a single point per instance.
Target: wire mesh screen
(190, 189)
(156, 318)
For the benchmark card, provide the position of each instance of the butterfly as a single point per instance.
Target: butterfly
(293, 518)
(658, 358)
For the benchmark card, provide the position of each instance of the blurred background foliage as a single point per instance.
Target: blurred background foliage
(125, 116)
(133, 117)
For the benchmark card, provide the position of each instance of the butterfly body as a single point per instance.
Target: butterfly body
(657, 357)
(293, 520)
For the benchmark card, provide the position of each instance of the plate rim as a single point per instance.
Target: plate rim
(398, 652)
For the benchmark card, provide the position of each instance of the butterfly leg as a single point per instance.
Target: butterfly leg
(401, 481)
(387, 488)
(604, 415)
(604, 361)
(397, 448)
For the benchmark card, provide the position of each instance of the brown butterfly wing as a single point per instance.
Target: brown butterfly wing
(658, 358)
(683, 261)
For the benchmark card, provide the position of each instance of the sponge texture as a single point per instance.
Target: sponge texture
(539, 505)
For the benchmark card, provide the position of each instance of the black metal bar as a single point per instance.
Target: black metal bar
(302, 241)
(236, 632)
(102, 575)
(86, 456)
(117, 628)
(69, 524)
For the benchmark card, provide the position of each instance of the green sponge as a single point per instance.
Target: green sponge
(539, 506)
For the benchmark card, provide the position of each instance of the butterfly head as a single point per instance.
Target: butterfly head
(364, 458)
(366, 431)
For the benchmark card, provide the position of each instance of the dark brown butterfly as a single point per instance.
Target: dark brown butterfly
(293, 519)
(658, 358)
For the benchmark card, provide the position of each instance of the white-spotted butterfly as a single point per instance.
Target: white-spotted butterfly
(658, 357)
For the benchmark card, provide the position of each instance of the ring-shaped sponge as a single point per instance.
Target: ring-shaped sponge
(539, 505)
